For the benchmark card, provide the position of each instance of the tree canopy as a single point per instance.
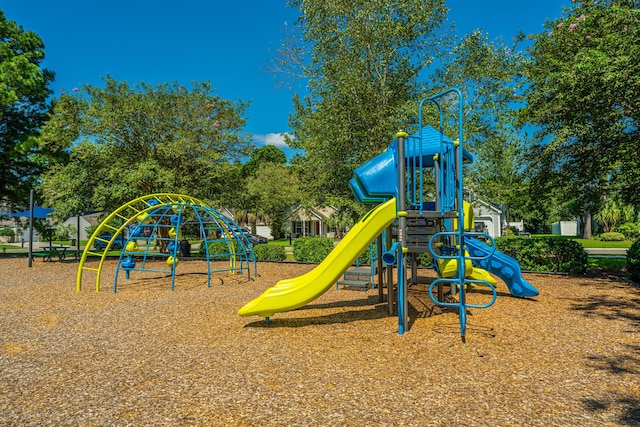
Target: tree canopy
(275, 188)
(489, 75)
(128, 141)
(584, 79)
(363, 64)
(23, 110)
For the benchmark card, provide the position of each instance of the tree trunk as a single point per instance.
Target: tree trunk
(586, 219)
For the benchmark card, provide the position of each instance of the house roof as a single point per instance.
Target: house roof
(488, 205)
(312, 214)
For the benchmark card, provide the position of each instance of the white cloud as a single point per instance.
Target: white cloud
(276, 139)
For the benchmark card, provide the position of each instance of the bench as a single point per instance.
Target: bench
(41, 254)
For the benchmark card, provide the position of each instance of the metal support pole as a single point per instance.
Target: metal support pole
(402, 231)
(380, 265)
(78, 233)
(31, 196)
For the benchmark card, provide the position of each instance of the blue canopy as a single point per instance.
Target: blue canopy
(38, 212)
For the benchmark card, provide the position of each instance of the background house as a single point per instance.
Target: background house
(310, 222)
(85, 221)
(488, 218)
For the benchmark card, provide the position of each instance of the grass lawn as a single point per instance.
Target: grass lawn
(606, 262)
(589, 243)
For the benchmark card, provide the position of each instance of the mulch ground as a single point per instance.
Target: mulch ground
(147, 355)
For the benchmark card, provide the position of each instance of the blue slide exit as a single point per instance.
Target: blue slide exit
(501, 265)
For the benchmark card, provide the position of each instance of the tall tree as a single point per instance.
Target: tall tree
(585, 80)
(364, 60)
(23, 110)
(132, 141)
(248, 206)
(275, 187)
(489, 75)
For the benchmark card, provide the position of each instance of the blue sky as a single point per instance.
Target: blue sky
(228, 43)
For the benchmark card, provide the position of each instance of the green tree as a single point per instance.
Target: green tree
(247, 206)
(489, 75)
(584, 83)
(259, 156)
(276, 189)
(363, 65)
(23, 110)
(132, 141)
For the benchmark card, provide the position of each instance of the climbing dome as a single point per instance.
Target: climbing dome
(150, 228)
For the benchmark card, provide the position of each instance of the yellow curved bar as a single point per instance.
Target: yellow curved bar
(289, 294)
(128, 213)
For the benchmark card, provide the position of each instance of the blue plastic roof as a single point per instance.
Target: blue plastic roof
(38, 212)
(427, 143)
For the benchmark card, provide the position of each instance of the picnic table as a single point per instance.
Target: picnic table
(55, 251)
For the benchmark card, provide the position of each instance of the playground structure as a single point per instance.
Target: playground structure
(396, 180)
(150, 228)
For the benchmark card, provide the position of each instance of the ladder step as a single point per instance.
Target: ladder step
(358, 270)
(95, 253)
(354, 283)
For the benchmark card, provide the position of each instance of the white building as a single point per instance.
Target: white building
(565, 228)
(488, 218)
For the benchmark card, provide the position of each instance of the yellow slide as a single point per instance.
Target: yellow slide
(289, 294)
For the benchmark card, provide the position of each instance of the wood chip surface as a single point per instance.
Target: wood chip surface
(150, 356)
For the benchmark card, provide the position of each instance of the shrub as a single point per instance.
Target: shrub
(270, 252)
(612, 236)
(633, 261)
(90, 229)
(65, 232)
(312, 249)
(545, 254)
(510, 231)
(631, 230)
(365, 257)
(217, 249)
(6, 234)
(425, 259)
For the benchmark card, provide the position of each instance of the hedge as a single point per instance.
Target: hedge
(217, 249)
(631, 230)
(612, 236)
(312, 249)
(270, 252)
(633, 261)
(545, 254)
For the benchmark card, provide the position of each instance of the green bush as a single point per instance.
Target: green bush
(365, 257)
(612, 237)
(545, 254)
(425, 259)
(7, 234)
(633, 261)
(217, 249)
(631, 230)
(270, 252)
(312, 249)
(65, 232)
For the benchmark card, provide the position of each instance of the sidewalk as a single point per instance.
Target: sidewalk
(606, 251)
